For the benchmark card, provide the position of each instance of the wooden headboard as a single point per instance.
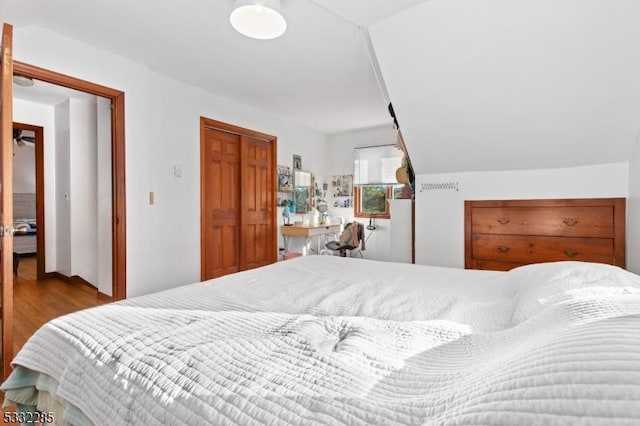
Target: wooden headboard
(24, 206)
(504, 234)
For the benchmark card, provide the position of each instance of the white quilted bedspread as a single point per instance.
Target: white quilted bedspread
(329, 340)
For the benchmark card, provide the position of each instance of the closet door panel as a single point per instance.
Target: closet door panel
(221, 204)
(257, 211)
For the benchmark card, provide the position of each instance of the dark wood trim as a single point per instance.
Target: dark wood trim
(552, 202)
(119, 212)
(357, 196)
(413, 230)
(203, 165)
(619, 226)
(78, 280)
(104, 298)
(6, 166)
(274, 196)
(468, 253)
(40, 194)
(236, 130)
(119, 245)
(32, 71)
(57, 276)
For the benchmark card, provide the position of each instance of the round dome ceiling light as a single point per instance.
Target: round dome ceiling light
(259, 19)
(21, 80)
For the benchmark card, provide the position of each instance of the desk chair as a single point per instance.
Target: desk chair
(349, 241)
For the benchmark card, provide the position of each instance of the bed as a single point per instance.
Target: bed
(24, 223)
(331, 340)
(24, 241)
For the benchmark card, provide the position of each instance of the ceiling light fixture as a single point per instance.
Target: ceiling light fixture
(259, 19)
(21, 80)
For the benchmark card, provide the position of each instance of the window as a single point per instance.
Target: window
(374, 176)
(376, 164)
(371, 201)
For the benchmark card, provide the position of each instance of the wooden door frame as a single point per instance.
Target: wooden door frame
(118, 216)
(240, 131)
(6, 166)
(40, 212)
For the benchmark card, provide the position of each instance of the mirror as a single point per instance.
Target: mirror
(302, 195)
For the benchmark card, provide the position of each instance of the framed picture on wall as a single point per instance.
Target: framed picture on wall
(284, 183)
(342, 186)
(297, 162)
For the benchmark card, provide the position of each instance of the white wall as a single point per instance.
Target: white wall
(63, 189)
(162, 129)
(633, 212)
(174, 252)
(43, 116)
(24, 169)
(83, 179)
(49, 50)
(440, 213)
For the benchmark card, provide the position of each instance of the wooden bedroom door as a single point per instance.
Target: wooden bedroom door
(220, 162)
(257, 208)
(6, 196)
(238, 199)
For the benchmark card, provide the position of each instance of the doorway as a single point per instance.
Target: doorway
(117, 161)
(23, 199)
(117, 166)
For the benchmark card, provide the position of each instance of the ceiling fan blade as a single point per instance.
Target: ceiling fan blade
(20, 142)
(29, 139)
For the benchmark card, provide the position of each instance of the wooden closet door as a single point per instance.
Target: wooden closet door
(220, 200)
(258, 230)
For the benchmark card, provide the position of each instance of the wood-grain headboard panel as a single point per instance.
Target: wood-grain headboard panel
(504, 234)
(24, 206)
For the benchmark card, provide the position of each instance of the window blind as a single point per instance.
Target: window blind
(376, 165)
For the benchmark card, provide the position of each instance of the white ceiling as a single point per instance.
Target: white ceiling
(49, 94)
(501, 84)
(476, 84)
(318, 73)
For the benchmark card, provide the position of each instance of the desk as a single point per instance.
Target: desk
(307, 232)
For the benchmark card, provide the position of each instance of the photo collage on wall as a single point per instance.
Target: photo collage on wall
(285, 186)
(285, 183)
(342, 190)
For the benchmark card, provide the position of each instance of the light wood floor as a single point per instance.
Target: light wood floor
(36, 302)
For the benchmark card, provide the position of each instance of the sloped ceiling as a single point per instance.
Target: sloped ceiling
(476, 84)
(498, 85)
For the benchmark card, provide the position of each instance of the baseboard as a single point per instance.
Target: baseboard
(57, 276)
(78, 280)
(104, 298)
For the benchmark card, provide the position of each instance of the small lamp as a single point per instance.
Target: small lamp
(322, 208)
(259, 19)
